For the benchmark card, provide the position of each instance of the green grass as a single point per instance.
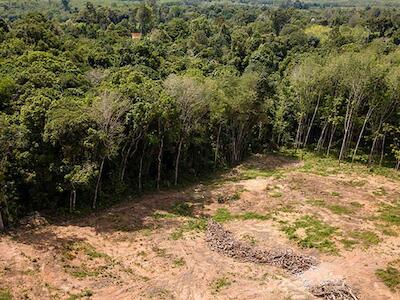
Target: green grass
(326, 166)
(220, 283)
(199, 224)
(380, 192)
(182, 209)
(334, 208)
(335, 194)
(249, 239)
(85, 293)
(82, 271)
(390, 276)
(349, 244)
(223, 215)
(366, 238)
(158, 216)
(72, 249)
(179, 262)
(390, 213)
(317, 234)
(5, 294)
(253, 173)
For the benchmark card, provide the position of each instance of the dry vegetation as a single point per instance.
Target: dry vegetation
(157, 247)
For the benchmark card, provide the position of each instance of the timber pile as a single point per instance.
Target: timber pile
(334, 290)
(224, 242)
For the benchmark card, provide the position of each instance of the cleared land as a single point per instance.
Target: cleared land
(155, 247)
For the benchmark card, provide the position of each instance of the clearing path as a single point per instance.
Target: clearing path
(155, 247)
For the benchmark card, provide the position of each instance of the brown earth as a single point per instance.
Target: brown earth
(130, 252)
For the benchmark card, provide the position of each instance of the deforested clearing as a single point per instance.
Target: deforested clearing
(155, 246)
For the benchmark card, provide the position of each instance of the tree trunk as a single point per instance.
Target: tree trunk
(330, 140)
(159, 162)
(361, 133)
(134, 141)
(321, 139)
(371, 153)
(177, 161)
(2, 227)
(217, 146)
(382, 150)
(347, 125)
(311, 123)
(140, 185)
(98, 183)
(398, 165)
(296, 140)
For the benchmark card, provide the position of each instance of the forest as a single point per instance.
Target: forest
(100, 100)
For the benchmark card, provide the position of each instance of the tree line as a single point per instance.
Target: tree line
(87, 113)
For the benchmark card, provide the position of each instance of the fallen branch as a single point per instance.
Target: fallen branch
(334, 290)
(224, 242)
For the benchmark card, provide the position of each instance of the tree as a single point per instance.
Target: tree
(188, 94)
(108, 111)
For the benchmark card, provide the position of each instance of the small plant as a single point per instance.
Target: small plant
(356, 204)
(179, 262)
(390, 276)
(250, 239)
(218, 284)
(183, 209)
(276, 194)
(335, 194)
(85, 293)
(158, 216)
(380, 192)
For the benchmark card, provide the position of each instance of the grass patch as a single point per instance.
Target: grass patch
(82, 271)
(356, 183)
(380, 192)
(390, 275)
(199, 224)
(249, 239)
(220, 283)
(179, 262)
(85, 293)
(315, 234)
(233, 197)
(348, 244)
(335, 194)
(367, 238)
(158, 216)
(223, 215)
(71, 250)
(390, 213)
(339, 209)
(334, 208)
(5, 294)
(182, 209)
(276, 194)
(253, 173)
(356, 204)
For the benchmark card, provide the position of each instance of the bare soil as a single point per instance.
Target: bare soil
(133, 251)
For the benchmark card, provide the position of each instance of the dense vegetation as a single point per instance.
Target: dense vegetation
(87, 112)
